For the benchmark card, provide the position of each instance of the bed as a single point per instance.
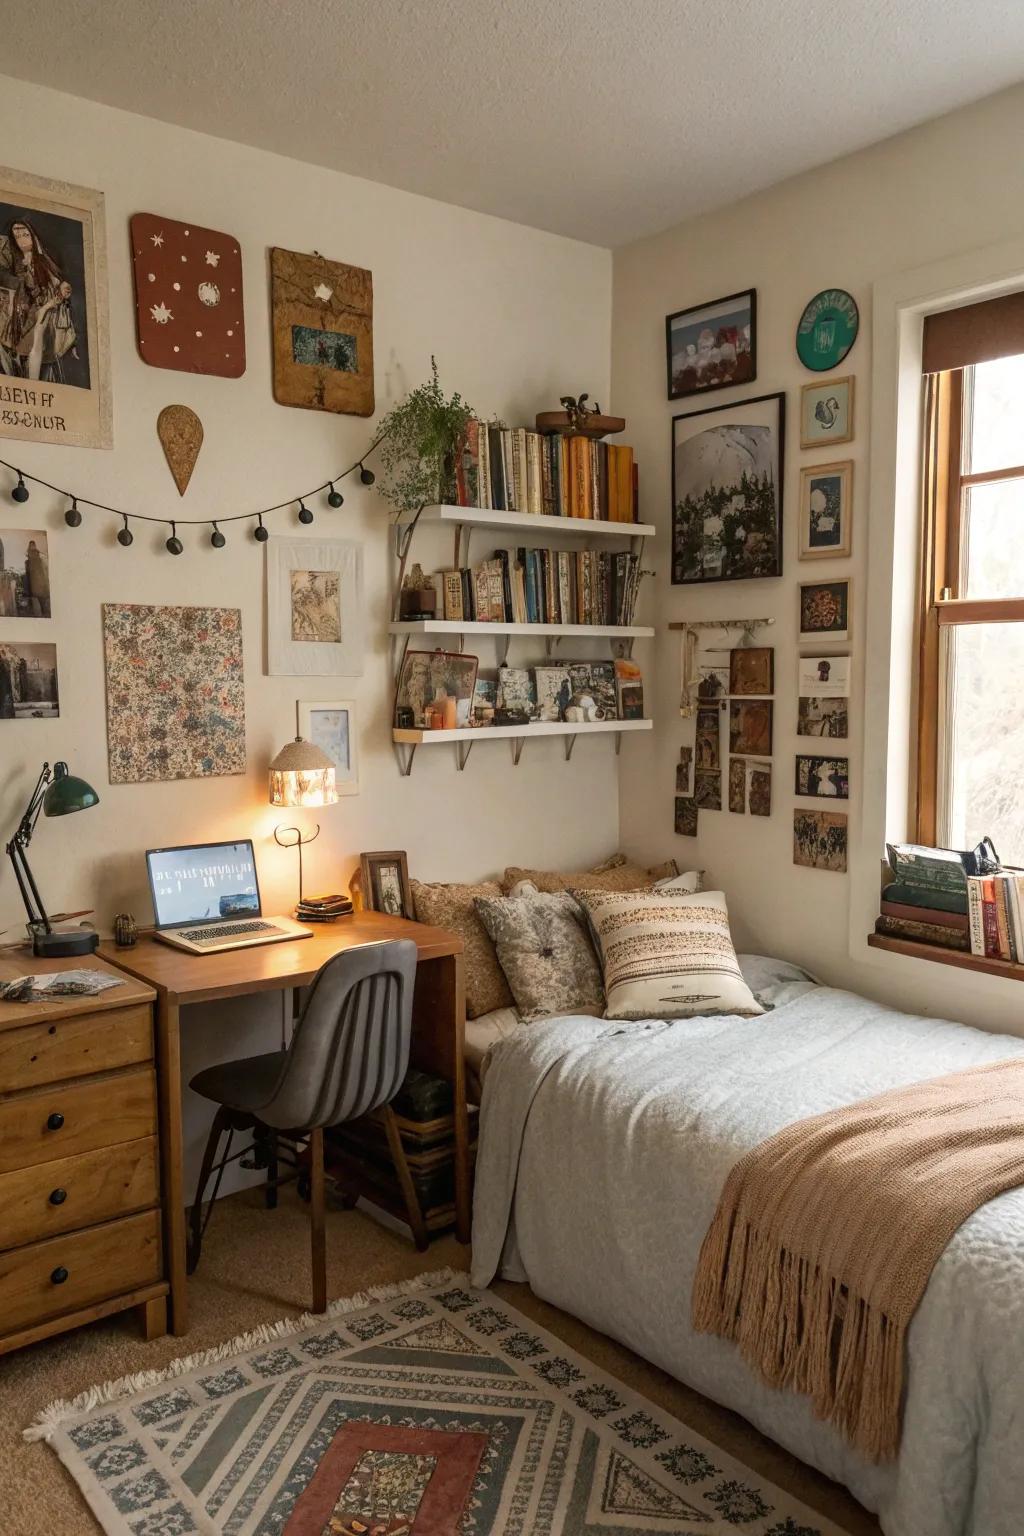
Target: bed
(604, 1149)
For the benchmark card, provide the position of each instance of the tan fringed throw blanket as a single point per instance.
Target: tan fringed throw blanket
(826, 1234)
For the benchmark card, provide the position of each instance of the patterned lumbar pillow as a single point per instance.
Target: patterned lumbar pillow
(618, 875)
(451, 907)
(544, 949)
(666, 956)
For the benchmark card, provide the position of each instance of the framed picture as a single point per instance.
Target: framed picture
(727, 464)
(826, 510)
(712, 346)
(332, 728)
(752, 669)
(385, 881)
(314, 607)
(750, 727)
(820, 839)
(825, 677)
(427, 674)
(826, 413)
(24, 574)
(54, 342)
(823, 778)
(28, 681)
(825, 610)
(823, 717)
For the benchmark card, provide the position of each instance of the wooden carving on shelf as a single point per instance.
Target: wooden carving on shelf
(181, 433)
(579, 419)
(322, 318)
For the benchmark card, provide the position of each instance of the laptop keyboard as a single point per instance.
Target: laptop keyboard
(228, 931)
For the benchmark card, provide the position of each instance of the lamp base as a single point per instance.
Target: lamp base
(53, 945)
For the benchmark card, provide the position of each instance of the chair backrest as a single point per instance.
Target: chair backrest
(350, 1050)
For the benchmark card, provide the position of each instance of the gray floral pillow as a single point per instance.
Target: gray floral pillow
(544, 949)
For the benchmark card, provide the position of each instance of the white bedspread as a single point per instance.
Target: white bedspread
(604, 1149)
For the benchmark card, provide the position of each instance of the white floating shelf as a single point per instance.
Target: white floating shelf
(492, 517)
(461, 627)
(420, 738)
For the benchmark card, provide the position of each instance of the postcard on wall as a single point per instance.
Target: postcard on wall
(322, 321)
(707, 790)
(825, 677)
(752, 669)
(713, 683)
(28, 681)
(825, 611)
(761, 789)
(314, 607)
(823, 717)
(54, 342)
(823, 778)
(738, 785)
(750, 727)
(686, 816)
(24, 574)
(189, 313)
(819, 840)
(708, 738)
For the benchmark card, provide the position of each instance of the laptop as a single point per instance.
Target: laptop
(206, 898)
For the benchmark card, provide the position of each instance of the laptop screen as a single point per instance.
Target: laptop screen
(206, 883)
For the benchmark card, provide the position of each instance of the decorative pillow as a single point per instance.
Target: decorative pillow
(607, 877)
(666, 956)
(545, 952)
(686, 884)
(451, 907)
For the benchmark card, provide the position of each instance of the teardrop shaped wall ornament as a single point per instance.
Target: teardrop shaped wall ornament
(181, 433)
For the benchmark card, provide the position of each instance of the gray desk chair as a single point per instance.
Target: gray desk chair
(348, 1057)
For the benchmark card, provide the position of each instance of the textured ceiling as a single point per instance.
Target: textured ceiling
(602, 119)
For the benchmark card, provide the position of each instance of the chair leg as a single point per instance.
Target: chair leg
(270, 1191)
(221, 1123)
(412, 1204)
(318, 1233)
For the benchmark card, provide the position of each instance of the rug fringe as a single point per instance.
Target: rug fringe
(50, 1418)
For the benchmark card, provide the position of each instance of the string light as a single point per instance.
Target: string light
(217, 539)
(20, 492)
(72, 516)
(335, 499)
(174, 546)
(305, 515)
(259, 533)
(367, 476)
(125, 535)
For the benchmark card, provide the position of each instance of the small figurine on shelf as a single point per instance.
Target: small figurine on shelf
(419, 596)
(579, 419)
(126, 931)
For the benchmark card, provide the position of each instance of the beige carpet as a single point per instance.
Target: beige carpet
(253, 1271)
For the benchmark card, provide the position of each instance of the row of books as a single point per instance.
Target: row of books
(964, 901)
(544, 586)
(511, 469)
(995, 912)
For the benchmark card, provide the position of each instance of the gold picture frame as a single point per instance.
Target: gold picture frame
(821, 515)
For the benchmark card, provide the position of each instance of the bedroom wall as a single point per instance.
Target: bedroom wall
(514, 316)
(950, 187)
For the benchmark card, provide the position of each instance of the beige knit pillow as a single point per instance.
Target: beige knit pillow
(607, 877)
(451, 907)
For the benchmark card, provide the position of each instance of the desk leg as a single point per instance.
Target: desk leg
(169, 1089)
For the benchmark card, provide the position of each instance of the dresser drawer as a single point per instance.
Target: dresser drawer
(51, 1123)
(63, 1048)
(62, 1273)
(73, 1192)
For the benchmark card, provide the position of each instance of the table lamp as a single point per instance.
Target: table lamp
(301, 775)
(57, 793)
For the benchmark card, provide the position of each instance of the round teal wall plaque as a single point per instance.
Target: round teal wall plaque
(827, 330)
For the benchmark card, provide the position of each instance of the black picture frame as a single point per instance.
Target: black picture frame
(772, 568)
(841, 776)
(739, 378)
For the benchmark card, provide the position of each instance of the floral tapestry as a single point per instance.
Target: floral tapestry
(175, 692)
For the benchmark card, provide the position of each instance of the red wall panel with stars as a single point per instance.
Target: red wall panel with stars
(188, 297)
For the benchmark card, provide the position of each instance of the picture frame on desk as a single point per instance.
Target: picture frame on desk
(385, 880)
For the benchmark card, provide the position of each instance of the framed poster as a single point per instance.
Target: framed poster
(314, 607)
(332, 728)
(712, 346)
(322, 321)
(54, 341)
(826, 510)
(727, 477)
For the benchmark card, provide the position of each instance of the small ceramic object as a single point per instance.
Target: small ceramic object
(126, 930)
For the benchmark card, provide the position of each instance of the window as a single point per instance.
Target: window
(971, 686)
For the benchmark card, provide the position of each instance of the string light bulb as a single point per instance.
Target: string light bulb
(174, 546)
(217, 539)
(20, 492)
(305, 515)
(125, 535)
(72, 516)
(259, 533)
(367, 476)
(334, 499)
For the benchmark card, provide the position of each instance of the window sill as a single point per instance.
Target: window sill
(1009, 969)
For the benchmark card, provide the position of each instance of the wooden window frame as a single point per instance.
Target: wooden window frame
(941, 601)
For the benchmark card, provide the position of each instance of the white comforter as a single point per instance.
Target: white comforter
(604, 1149)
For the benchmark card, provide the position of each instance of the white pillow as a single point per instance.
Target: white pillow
(666, 956)
(687, 884)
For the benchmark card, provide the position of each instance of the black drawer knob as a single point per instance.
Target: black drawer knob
(58, 1196)
(54, 1121)
(59, 1275)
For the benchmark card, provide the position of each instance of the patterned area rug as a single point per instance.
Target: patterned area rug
(427, 1409)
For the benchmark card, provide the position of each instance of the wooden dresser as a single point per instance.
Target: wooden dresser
(80, 1206)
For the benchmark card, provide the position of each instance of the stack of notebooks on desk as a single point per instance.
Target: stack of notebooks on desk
(322, 909)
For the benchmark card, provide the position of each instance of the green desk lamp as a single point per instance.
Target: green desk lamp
(57, 793)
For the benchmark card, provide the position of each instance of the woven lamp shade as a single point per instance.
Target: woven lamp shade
(302, 775)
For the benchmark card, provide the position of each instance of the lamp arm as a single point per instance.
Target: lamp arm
(16, 853)
(27, 824)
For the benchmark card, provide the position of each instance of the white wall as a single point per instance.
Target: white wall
(952, 187)
(515, 317)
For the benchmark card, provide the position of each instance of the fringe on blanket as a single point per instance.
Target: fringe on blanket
(50, 1418)
(801, 1330)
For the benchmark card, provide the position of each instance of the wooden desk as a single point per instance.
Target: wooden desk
(180, 978)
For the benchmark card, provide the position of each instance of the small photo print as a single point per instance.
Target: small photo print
(554, 692)
(752, 669)
(823, 778)
(683, 776)
(24, 574)
(713, 683)
(517, 696)
(708, 739)
(28, 682)
(826, 493)
(750, 727)
(593, 690)
(485, 701)
(760, 798)
(826, 413)
(824, 677)
(823, 717)
(316, 606)
(820, 840)
(707, 790)
(825, 610)
(686, 816)
(738, 785)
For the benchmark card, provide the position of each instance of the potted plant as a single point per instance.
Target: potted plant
(422, 437)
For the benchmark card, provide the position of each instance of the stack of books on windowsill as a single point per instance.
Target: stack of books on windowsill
(924, 897)
(995, 911)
